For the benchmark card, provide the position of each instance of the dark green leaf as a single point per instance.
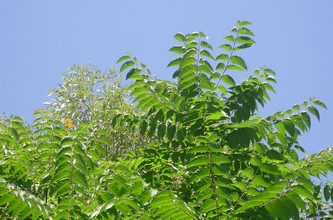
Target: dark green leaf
(244, 46)
(133, 73)
(314, 112)
(327, 192)
(228, 80)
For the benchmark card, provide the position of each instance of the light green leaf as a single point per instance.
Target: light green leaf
(238, 61)
(175, 62)
(222, 56)
(244, 40)
(187, 62)
(206, 45)
(123, 58)
(206, 54)
(230, 38)
(245, 31)
(226, 47)
(179, 37)
(208, 205)
(270, 168)
(248, 172)
(126, 65)
(177, 49)
(235, 68)
(199, 161)
(243, 23)
(228, 80)
(220, 66)
(205, 82)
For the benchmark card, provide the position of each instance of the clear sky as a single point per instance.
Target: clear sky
(39, 40)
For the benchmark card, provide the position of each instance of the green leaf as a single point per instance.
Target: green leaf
(319, 103)
(171, 130)
(243, 23)
(327, 192)
(205, 82)
(270, 168)
(133, 73)
(245, 31)
(126, 65)
(191, 37)
(220, 66)
(226, 47)
(199, 161)
(220, 159)
(179, 37)
(207, 54)
(244, 46)
(208, 205)
(123, 58)
(175, 62)
(235, 68)
(187, 62)
(161, 131)
(238, 61)
(244, 40)
(177, 49)
(230, 38)
(228, 80)
(222, 56)
(248, 172)
(206, 45)
(283, 209)
(314, 112)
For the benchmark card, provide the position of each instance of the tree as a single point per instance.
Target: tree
(209, 154)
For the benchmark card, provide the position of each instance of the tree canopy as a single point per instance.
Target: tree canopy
(192, 148)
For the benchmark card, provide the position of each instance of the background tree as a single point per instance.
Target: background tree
(91, 97)
(206, 152)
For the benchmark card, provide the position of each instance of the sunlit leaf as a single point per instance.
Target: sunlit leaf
(123, 58)
(126, 65)
(238, 61)
(179, 37)
(228, 80)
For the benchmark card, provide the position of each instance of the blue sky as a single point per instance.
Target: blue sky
(40, 39)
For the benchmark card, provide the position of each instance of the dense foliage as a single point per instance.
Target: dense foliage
(194, 148)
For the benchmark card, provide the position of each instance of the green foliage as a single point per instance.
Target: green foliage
(194, 148)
